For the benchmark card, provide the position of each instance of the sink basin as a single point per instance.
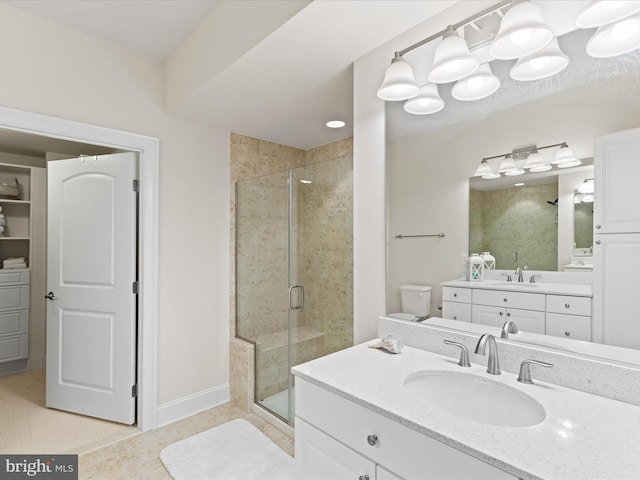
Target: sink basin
(475, 398)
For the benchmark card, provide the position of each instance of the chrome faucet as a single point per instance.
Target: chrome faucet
(518, 273)
(493, 364)
(507, 328)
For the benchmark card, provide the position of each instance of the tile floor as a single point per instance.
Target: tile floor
(137, 457)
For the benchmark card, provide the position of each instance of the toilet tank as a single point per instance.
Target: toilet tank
(416, 299)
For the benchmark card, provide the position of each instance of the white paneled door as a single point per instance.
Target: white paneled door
(91, 270)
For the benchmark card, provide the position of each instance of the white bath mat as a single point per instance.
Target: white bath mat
(235, 450)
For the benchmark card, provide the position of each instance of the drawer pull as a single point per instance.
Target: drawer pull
(455, 317)
(598, 227)
(597, 242)
(363, 477)
(501, 313)
(372, 439)
(505, 299)
(455, 295)
(566, 305)
(567, 334)
(508, 314)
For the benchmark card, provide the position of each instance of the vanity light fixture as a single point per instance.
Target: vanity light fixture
(479, 84)
(602, 12)
(541, 64)
(522, 32)
(515, 162)
(452, 60)
(428, 101)
(616, 38)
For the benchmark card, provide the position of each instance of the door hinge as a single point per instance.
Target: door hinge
(135, 287)
(134, 390)
(136, 186)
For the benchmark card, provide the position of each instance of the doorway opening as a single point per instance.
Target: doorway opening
(59, 134)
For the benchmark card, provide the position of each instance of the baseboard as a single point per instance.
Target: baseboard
(191, 404)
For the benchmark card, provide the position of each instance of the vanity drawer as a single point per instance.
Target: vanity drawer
(398, 448)
(527, 301)
(456, 294)
(14, 277)
(14, 348)
(456, 311)
(14, 323)
(14, 298)
(568, 304)
(575, 327)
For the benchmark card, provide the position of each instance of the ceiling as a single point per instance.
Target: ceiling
(283, 89)
(287, 85)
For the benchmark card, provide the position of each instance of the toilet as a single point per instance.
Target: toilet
(416, 303)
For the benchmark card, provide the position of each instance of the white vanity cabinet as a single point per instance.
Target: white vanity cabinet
(339, 439)
(542, 312)
(494, 307)
(616, 249)
(456, 304)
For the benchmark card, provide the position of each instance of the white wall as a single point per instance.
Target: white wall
(56, 71)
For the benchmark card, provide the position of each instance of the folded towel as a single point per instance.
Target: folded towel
(14, 260)
(15, 266)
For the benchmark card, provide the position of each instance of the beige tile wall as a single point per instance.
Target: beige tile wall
(324, 231)
(516, 220)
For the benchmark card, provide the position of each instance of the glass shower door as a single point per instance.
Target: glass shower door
(294, 273)
(262, 282)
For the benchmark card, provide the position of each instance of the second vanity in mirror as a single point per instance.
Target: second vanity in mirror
(556, 309)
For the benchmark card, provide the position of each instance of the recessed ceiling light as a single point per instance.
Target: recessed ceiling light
(518, 184)
(335, 124)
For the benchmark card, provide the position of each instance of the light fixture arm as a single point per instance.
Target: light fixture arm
(527, 149)
(456, 26)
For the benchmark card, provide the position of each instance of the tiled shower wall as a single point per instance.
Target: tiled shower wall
(263, 307)
(517, 225)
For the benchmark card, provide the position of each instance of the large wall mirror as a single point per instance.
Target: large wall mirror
(431, 159)
(523, 220)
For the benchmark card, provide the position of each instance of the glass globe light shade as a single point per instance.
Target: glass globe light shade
(399, 82)
(522, 32)
(428, 101)
(479, 84)
(541, 64)
(602, 12)
(452, 60)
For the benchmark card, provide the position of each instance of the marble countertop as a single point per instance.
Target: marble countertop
(583, 436)
(544, 288)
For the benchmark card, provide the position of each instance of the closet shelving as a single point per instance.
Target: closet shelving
(15, 242)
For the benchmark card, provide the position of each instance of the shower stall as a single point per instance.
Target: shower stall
(294, 272)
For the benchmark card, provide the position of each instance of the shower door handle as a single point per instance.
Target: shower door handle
(301, 304)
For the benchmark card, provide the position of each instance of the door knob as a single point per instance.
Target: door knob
(50, 296)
